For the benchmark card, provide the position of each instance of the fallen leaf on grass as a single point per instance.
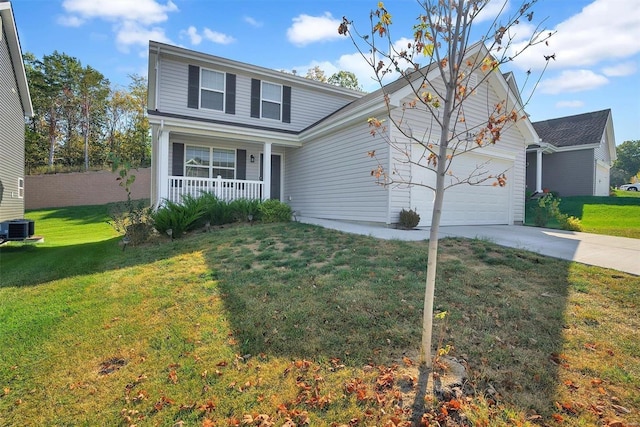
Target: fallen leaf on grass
(407, 361)
(207, 407)
(173, 376)
(164, 401)
(559, 359)
(621, 409)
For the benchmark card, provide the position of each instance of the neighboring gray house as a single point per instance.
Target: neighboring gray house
(574, 155)
(215, 121)
(15, 104)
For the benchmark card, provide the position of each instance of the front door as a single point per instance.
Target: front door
(275, 174)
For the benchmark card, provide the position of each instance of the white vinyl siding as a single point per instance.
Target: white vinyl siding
(307, 105)
(211, 90)
(330, 177)
(271, 101)
(11, 137)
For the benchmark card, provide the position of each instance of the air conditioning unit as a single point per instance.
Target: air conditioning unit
(17, 229)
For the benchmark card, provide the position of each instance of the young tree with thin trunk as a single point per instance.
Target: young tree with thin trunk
(442, 39)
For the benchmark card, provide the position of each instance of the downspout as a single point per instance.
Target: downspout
(388, 188)
(155, 95)
(159, 159)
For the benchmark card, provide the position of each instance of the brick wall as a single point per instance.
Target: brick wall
(82, 188)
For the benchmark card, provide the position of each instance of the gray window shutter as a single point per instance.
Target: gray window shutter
(230, 102)
(177, 163)
(255, 98)
(286, 104)
(241, 164)
(193, 92)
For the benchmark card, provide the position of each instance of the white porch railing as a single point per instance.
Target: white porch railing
(224, 189)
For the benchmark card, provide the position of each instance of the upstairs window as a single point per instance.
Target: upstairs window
(211, 90)
(271, 101)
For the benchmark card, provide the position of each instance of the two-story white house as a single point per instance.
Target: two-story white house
(243, 131)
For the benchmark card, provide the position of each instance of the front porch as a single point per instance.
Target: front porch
(223, 189)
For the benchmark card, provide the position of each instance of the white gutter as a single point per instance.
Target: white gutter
(157, 78)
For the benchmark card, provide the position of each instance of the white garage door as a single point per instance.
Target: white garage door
(465, 204)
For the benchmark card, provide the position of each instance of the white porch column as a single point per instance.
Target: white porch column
(162, 174)
(539, 170)
(266, 172)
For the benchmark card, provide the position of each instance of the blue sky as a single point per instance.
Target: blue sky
(597, 44)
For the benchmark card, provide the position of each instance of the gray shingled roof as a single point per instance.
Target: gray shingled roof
(582, 129)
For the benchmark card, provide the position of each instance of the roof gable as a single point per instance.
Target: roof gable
(574, 131)
(399, 89)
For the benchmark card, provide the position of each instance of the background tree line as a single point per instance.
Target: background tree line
(627, 166)
(81, 121)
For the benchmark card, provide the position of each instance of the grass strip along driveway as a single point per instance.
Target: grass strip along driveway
(291, 324)
(612, 216)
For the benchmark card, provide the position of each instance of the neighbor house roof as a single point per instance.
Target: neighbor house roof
(573, 131)
(7, 22)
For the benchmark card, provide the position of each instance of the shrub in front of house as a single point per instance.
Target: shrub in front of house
(216, 211)
(546, 209)
(570, 223)
(409, 219)
(245, 210)
(132, 219)
(179, 218)
(275, 211)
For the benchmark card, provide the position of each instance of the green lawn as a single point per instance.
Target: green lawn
(296, 325)
(613, 216)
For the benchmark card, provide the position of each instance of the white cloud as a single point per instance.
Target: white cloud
(196, 38)
(146, 12)
(193, 35)
(252, 21)
(310, 29)
(601, 31)
(134, 22)
(569, 104)
(217, 37)
(131, 33)
(572, 81)
(620, 70)
(491, 10)
(70, 21)
(356, 64)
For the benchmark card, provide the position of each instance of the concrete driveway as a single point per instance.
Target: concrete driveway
(618, 253)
